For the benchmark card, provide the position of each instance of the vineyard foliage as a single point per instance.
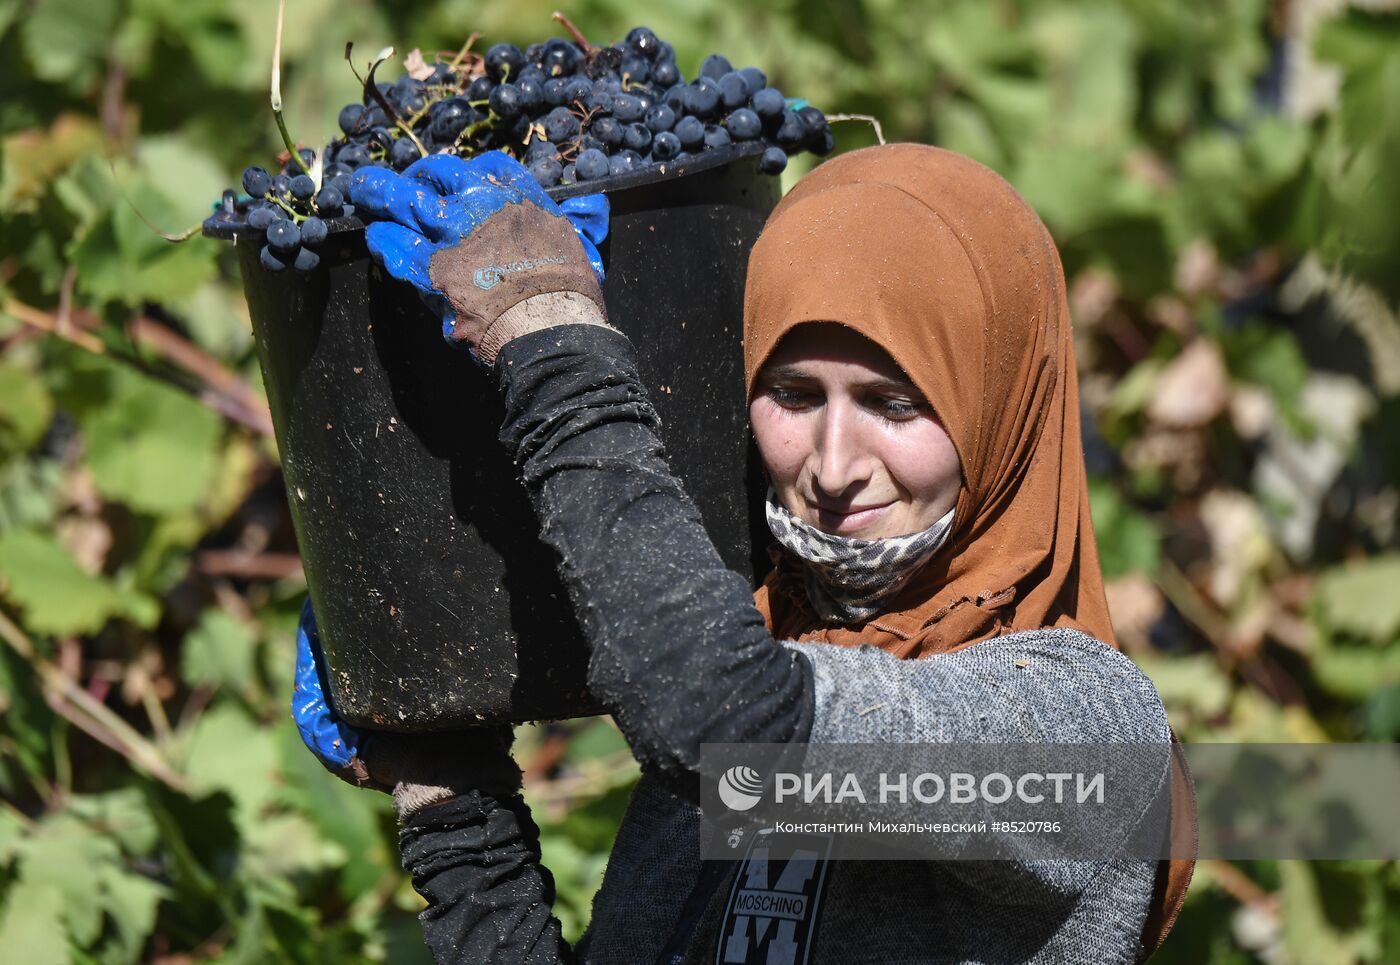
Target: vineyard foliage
(1221, 176)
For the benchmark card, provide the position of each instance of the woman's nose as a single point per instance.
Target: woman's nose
(841, 460)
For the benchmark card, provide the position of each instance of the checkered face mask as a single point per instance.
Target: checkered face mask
(847, 579)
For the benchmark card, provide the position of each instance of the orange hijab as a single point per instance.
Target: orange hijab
(940, 262)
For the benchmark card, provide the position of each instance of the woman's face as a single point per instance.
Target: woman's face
(851, 446)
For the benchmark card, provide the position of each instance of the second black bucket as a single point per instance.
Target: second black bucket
(438, 606)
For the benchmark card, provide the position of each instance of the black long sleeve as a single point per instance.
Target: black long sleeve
(679, 653)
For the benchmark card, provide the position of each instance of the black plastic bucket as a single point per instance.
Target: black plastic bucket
(438, 605)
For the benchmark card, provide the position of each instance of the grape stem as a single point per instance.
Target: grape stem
(287, 208)
(577, 34)
(277, 91)
(408, 130)
(462, 54)
(471, 129)
(872, 121)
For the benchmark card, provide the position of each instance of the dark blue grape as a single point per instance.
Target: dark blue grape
(333, 171)
(665, 146)
(634, 159)
(599, 99)
(539, 150)
(733, 90)
(480, 88)
(567, 176)
(292, 168)
(531, 72)
(560, 125)
(554, 89)
(660, 118)
(341, 182)
(716, 136)
(262, 217)
(769, 103)
(773, 161)
(283, 235)
(560, 58)
(306, 260)
(531, 94)
(281, 185)
(381, 137)
(445, 129)
(813, 118)
(591, 165)
(504, 61)
(352, 156)
(618, 165)
(577, 89)
(702, 98)
(313, 231)
(715, 66)
(635, 70)
(329, 200)
(743, 125)
(757, 79)
(823, 143)
(674, 98)
(628, 108)
(403, 153)
(505, 101)
(792, 132)
(442, 75)
(257, 181)
(691, 131)
(666, 74)
(636, 137)
(270, 260)
(608, 130)
(349, 117)
(547, 171)
(641, 41)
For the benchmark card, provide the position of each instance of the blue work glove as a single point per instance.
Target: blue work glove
(419, 769)
(478, 237)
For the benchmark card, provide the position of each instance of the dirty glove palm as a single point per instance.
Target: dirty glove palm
(478, 237)
(418, 769)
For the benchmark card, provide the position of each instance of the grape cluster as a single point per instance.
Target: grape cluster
(292, 213)
(569, 112)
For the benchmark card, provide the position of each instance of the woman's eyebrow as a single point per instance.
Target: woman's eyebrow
(795, 372)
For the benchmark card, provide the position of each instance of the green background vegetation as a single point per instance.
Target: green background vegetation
(1220, 175)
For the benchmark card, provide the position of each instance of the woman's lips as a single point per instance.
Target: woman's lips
(850, 520)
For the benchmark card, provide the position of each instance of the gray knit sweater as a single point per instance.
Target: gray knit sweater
(1079, 691)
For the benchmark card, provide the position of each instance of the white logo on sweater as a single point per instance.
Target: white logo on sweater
(771, 922)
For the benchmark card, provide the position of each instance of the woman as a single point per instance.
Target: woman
(913, 396)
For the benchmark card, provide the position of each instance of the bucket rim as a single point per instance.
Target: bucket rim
(230, 226)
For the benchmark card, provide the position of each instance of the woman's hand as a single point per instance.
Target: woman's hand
(419, 769)
(479, 237)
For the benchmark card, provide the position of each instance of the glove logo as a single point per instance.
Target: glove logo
(740, 787)
(490, 276)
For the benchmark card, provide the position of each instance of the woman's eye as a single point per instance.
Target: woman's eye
(789, 398)
(899, 410)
